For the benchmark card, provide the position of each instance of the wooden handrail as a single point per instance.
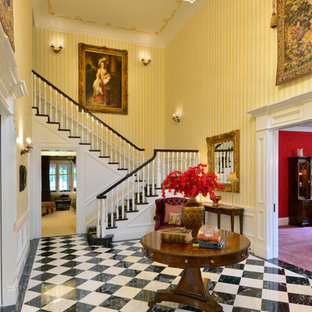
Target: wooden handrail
(102, 195)
(86, 110)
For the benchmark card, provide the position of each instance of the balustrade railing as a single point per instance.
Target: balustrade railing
(81, 123)
(124, 196)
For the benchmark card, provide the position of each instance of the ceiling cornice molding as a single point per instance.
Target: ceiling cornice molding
(173, 24)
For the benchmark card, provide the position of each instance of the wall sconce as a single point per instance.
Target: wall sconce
(145, 62)
(176, 117)
(56, 50)
(28, 147)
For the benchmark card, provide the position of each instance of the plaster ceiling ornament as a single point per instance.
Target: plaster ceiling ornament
(149, 20)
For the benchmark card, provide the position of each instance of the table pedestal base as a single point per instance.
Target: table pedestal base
(192, 290)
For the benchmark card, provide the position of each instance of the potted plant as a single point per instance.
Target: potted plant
(191, 183)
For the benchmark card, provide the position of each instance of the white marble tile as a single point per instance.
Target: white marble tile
(254, 268)
(274, 295)
(135, 306)
(127, 292)
(58, 291)
(58, 279)
(59, 305)
(232, 272)
(155, 285)
(247, 302)
(251, 282)
(95, 298)
(274, 277)
(299, 308)
(114, 270)
(147, 275)
(226, 288)
(120, 280)
(299, 289)
(90, 285)
(87, 274)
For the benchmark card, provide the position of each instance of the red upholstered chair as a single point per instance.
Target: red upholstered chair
(160, 211)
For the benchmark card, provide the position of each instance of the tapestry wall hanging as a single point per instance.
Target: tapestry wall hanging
(294, 38)
(103, 79)
(6, 19)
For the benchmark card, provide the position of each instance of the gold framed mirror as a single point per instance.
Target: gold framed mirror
(223, 158)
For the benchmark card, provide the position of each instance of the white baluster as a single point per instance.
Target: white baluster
(104, 218)
(39, 97)
(99, 209)
(117, 202)
(123, 200)
(168, 162)
(158, 170)
(35, 102)
(128, 194)
(120, 153)
(133, 191)
(153, 176)
(106, 141)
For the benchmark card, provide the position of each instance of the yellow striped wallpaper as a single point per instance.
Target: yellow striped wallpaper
(144, 124)
(221, 65)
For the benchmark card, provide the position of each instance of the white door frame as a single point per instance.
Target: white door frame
(269, 119)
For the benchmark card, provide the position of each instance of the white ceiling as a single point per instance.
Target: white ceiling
(150, 22)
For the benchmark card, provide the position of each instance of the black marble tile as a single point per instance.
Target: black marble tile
(237, 266)
(155, 268)
(68, 251)
(240, 309)
(229, 279)
(255, 262)
(92, 254)
(70, 257)
(76, 294)
(144, 295)
(118, 257)
(42, 288)
(47, 254)
(274, 286)
(145, 260)
(123, 264)
(214, 270)
(165, 278)
(300, 299)
(255, 275)
(224, 297)
(45, 267)
(138, 254)
(80, 307)
(94, 260)
(43, 277)
(114, 303)
(71, 264)
(274, 306)
(297, 280)
(103, 277)
(74, 282)
(72, 272)
(274, 270)
(130, 272)
(99, 268)
(137, 283)
(108, 288)
(250, 291)
(45, 260)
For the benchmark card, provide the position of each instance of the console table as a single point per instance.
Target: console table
(226, 210)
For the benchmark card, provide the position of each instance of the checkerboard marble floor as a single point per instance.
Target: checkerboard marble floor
(69, 275)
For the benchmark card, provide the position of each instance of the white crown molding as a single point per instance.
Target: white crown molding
(10, 84)
(44, 20)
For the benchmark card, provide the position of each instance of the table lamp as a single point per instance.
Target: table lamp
(232, 178)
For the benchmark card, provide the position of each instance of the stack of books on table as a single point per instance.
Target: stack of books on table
(211, 242)
(179, 235)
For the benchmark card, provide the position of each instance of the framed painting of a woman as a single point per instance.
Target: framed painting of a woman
(103, 79)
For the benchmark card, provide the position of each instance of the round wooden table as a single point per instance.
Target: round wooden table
(193, 289)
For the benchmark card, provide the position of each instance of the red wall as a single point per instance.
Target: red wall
(289, 141)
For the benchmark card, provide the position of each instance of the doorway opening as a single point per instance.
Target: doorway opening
(295, 195)
(58, 193)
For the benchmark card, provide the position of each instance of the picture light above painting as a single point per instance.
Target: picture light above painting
(103, 79)
(223, 158)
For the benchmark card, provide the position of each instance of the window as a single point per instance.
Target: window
(62, 175)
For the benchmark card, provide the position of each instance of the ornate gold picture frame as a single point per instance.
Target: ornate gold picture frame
(103, 79)
(294, 36)
(6, 19)
(223, 157)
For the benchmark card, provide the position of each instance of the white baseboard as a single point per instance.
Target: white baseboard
(283, 221)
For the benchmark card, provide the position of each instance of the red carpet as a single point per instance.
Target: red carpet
(295, 246)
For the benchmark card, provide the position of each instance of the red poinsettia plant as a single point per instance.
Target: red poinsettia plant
(192, 182)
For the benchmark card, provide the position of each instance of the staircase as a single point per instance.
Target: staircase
(134, 193)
